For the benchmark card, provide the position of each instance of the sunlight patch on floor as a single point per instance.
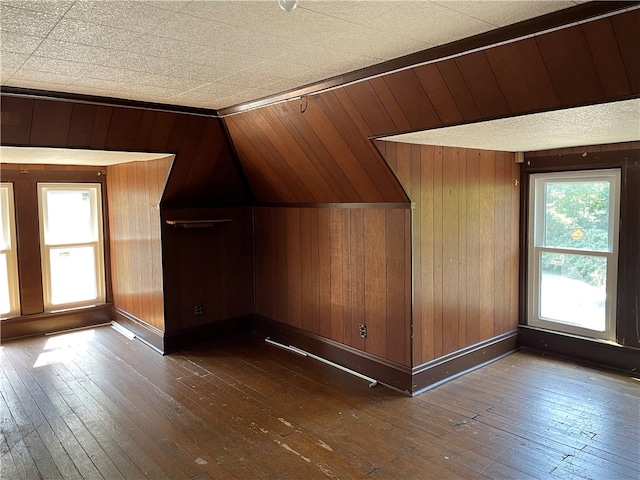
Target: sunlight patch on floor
(65, 347)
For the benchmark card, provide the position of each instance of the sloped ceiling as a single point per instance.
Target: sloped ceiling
(215, 54)
(319, 149)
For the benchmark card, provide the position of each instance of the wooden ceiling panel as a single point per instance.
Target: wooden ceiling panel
(607, 58)
(318, 155)
(123, 129)
(298, 166)
(482, 84)
(83, 118)
(101, 127)
(17, 114)
(439, 94)
(459, 90)
(568, 60)
(627, 27)
(367, 102)
(411, 98)
(50, 123)
(520, 70)
(363, 150)
(321, 155)
(263, 180)
(395, 112)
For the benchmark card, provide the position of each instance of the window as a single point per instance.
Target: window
(573, 252)
(9, 296)
(71, 245)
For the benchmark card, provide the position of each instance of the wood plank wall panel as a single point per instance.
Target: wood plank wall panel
(322, 155)
(134, 193)
(327, 270)
(626, 29)
(204, 172)
(319, 156)
(212, 266)
(465, 244)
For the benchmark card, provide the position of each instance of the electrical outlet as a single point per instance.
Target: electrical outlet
(363, 330)
(197, 309)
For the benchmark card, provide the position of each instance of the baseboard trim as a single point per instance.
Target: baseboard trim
(579, 349)
(389, 373)
(220, 329)
(41, 323)
(144, 332)
(443, 369)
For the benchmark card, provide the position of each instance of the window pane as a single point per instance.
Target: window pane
(73, 275)
(577, 215)
(573, 289)
(69, 218)
(5, 234)
(5, 296)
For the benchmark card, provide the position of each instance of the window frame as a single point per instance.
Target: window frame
(536, 228)
(9, 219)
(98, 245)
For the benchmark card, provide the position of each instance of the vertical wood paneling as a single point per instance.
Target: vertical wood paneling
(464, 245)
(353, 267)
(212, 266)
(134, 192)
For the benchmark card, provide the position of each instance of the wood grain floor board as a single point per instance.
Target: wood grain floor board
(112, 408)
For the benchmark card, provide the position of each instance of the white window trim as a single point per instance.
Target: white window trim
(12, 254)
(536, 218)
(96, 205)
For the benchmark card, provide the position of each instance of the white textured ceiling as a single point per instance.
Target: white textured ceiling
(66, 156)
(216, 53)
(591, 125)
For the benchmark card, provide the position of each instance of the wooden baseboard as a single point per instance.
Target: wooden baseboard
(436, 372)
(220, 329)
(41, 323)
(384, 371)
(410, 381)
(579, 349)
(143, 331)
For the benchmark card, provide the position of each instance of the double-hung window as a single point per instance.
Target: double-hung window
(9, 290)
(573, 251)
(71, 243)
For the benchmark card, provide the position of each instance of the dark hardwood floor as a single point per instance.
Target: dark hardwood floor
(93, 404)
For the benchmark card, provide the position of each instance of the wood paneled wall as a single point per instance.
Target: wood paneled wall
(327, 270)
(134, 191)
(323, 154)
(203, 174)
(212, 266)
(318, 156)
(465, 244)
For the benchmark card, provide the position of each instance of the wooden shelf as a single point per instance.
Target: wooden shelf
(196, 223)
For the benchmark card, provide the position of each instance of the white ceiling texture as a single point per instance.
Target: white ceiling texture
(215, 54)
